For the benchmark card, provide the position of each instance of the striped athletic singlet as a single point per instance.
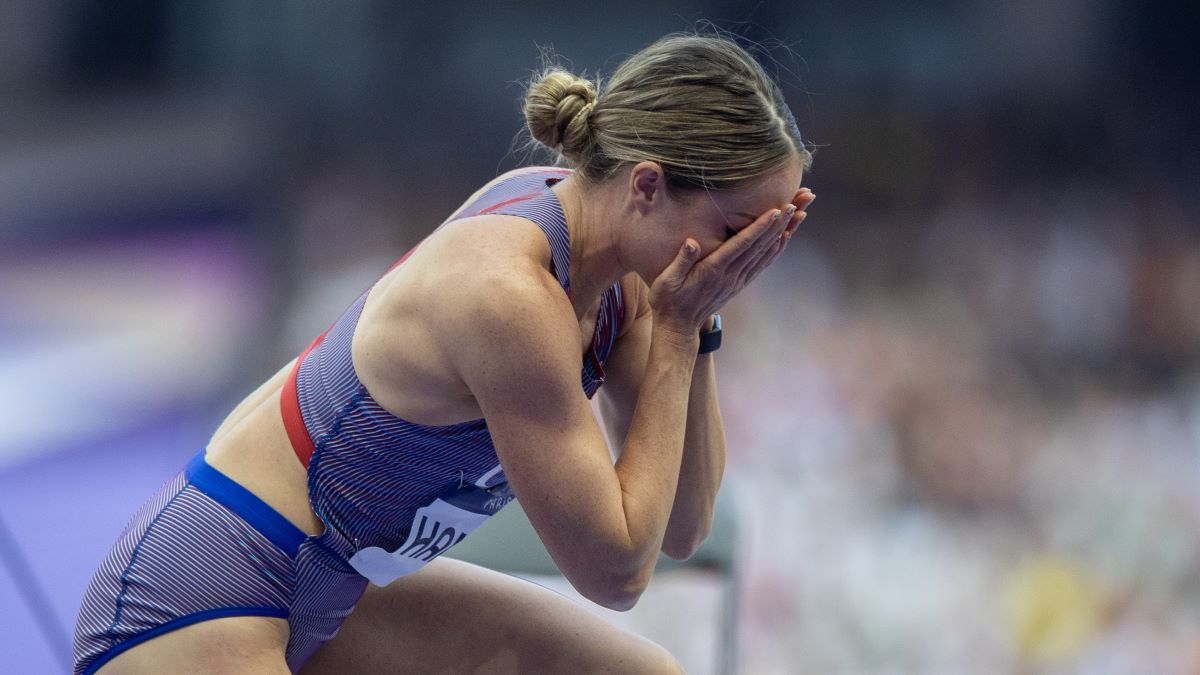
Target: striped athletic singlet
(395, 488)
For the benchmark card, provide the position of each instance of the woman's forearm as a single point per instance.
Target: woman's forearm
(702, 466)
(649, 464)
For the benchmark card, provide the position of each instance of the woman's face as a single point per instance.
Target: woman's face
(714, 217)
(711, 218)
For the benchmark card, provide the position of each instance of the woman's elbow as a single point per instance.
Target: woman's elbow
(680, 552)
(681, 546)
(616, 592)
(617, 602)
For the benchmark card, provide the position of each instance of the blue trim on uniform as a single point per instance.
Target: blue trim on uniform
(224, 612)
(246, 504)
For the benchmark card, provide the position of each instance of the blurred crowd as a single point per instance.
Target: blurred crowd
(985, 463)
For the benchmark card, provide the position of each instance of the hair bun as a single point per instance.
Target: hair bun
(557, 107)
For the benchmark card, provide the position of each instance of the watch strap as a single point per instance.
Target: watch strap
(710, 340)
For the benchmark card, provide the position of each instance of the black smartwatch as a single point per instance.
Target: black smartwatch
(710, 340)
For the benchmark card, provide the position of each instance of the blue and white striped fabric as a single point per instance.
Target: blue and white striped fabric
(203, 547)
(370, 471)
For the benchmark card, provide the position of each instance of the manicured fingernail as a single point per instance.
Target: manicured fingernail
(791, 210)
(775, 216)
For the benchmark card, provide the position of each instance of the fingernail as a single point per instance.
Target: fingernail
(775, 216)
(791, 210)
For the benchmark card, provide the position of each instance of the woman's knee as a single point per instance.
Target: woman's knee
(669, 665)
(640, 656)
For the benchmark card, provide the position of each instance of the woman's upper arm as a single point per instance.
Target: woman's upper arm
(517, 351)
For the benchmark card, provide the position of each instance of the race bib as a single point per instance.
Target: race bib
(436, 528)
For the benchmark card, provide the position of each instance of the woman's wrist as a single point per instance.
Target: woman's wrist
(705, 338)
(685, 340)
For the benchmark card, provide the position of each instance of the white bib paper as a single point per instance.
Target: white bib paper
(436, 528)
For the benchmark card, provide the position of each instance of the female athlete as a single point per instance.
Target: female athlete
(306, 536)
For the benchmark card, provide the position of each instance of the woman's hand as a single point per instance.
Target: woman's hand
(690, 289)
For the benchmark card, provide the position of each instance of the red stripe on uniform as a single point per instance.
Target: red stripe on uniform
(289, 403)
(509, 202)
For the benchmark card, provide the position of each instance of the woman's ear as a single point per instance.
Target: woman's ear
(647, 186)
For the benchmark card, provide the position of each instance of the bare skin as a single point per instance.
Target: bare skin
(491, 275)
(453, 617)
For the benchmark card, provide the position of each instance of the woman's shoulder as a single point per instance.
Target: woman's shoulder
(479, 279)
(473, 262)
(477, 256)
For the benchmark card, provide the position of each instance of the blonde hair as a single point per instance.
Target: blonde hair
(700, 106)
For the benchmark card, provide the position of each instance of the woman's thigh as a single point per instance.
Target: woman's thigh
(455, 617)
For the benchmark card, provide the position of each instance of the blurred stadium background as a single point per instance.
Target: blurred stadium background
(963, 414)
